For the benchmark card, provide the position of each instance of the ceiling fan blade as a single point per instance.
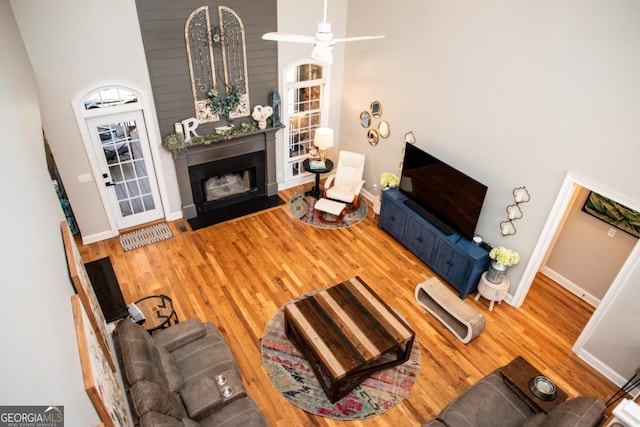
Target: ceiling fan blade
(285, 37)
(355, 39)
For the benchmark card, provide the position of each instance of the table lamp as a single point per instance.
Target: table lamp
(323, 139)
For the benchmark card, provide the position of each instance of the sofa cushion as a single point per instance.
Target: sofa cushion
(206, 356)
(201, 397)
(180, 334)
(240, 413)
(147, 396)
(140, 357)
(486, 402)
(156, 419)
(171, 371)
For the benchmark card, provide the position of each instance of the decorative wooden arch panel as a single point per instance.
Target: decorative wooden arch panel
(201, 44)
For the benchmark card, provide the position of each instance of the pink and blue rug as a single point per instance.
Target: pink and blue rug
(292, 376)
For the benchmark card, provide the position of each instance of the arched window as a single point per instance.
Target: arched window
(305, 106)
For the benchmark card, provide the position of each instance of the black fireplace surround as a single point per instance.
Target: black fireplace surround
(254, 151)
(253, 163)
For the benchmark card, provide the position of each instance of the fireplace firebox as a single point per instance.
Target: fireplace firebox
(227, 181)
(227, 172)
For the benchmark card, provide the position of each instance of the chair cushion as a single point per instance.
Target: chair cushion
(141, 360)
(342, 193)
(147, 396)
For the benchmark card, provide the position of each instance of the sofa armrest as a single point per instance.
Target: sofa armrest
(178, 335)
(579, 412)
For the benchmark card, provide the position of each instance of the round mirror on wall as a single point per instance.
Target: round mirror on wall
(384, 129)
(372, 137)
(365, 119)
(376, 109)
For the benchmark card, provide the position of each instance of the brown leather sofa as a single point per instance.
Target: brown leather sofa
(184, 375)
(492, 403)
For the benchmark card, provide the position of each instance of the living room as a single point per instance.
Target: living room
(553, 84)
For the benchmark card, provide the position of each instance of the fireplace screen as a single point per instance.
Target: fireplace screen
(219, 187)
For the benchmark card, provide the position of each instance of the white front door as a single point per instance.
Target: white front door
(123, 156)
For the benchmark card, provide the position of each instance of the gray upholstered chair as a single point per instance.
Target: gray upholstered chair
(346, 183)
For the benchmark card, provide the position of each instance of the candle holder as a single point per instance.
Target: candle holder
(514, 212)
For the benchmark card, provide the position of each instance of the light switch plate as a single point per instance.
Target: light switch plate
(84, 177)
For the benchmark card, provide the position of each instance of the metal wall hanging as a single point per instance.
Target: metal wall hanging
(203, 42)
(514, 212)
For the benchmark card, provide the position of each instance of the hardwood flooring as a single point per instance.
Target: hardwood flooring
(237, 274)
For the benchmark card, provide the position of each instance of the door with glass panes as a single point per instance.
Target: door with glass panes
(123, 153)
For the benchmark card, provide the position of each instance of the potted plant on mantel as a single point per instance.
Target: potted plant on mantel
(501, 259)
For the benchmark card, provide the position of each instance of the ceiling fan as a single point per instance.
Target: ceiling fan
(322, 42)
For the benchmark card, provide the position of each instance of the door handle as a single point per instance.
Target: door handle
(109, 184)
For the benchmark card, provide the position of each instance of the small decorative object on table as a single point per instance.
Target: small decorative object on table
(317, 164)
(502, 258)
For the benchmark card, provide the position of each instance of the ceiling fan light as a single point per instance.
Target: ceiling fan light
(322, 54)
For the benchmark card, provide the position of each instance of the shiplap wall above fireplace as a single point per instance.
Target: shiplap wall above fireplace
(162, 24)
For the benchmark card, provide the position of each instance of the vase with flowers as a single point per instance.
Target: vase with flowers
(389, 180)
(501, 259)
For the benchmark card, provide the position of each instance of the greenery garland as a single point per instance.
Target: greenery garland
(176, 142)
(224, 106)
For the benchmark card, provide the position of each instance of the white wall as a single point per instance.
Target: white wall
(600, 256)
(302, 17)
(73, 44)
(39, 358)
(512, 93)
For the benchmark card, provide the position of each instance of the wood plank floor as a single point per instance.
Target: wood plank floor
(237, 274)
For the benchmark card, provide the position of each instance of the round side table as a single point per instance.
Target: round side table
(158, 312)
(492, 291)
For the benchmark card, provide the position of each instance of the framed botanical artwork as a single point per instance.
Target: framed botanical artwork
(82, 285)
(613, 213)
(100, 381)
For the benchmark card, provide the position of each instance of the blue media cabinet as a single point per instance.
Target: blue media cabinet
(456, 259)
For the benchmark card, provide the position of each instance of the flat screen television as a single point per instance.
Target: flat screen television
(443, 195)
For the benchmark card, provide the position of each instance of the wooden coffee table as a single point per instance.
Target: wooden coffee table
(346, 333)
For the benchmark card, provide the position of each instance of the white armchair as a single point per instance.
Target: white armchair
(345, 184)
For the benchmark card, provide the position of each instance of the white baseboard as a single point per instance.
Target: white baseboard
(570, 286)
(92, 238)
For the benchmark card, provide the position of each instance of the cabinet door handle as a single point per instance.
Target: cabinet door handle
(393, 218)
(419, 239)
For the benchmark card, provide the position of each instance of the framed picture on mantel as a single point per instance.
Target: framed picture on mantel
(613, 213)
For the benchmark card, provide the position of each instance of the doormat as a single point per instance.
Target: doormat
(105, 285)
(236, 210)
(145, 236)
(292, 375)
(301, 207)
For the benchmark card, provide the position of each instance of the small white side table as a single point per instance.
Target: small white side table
(492, 291)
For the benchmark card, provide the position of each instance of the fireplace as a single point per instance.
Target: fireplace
(227, 181)
(227, 172)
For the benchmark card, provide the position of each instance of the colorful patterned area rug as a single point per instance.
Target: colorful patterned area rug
(292, 376)
(301, 207)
